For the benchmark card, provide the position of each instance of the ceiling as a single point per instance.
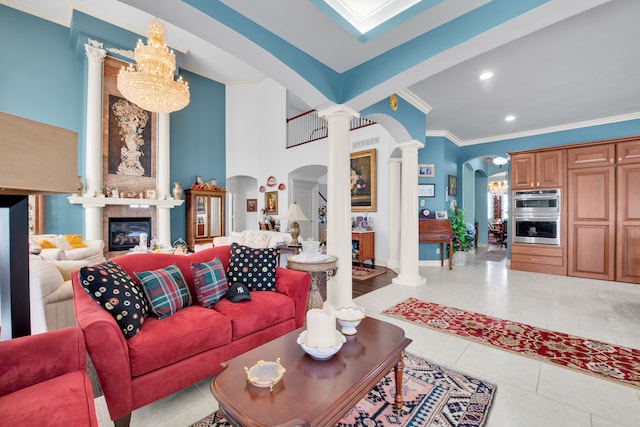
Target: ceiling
(557, 64)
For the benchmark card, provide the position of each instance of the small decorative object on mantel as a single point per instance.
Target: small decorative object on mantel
(271, 181)
(80, 186)
(150, 193)
(177, 191)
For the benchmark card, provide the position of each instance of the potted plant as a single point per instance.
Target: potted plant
(462, 240)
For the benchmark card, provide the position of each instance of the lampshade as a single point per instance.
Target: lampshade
(294, 214)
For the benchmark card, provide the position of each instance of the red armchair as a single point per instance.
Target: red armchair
(43, 381)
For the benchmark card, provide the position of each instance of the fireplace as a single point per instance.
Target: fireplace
(124, 233)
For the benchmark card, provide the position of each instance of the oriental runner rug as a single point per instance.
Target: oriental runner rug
(364, 273)
(603, 360)
(433, 396)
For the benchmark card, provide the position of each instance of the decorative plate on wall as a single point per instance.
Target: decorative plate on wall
(282, 186)
(262, 189)
(272, 181)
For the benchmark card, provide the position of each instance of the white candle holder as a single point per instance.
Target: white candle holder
(321, 353)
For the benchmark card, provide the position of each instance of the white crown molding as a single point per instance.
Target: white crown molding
(414, 100)
(570, 126)
(446, 134)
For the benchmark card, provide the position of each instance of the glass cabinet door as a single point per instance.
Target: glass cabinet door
(215, 214)
(202, 219)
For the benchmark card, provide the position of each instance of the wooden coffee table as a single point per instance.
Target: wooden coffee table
(312, 392)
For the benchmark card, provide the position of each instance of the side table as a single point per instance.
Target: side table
(325, 266)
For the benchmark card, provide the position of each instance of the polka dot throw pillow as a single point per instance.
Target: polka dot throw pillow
(111, 287)
(253, 267)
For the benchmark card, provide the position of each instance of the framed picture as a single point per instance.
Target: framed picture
(150, 193)
(271, 202)
(363, 181)
(130, 139)
(112, 191)
(427, 171)
(426, 190)
(252, 205)
(452, 186)
(441, 215)
(199, 179)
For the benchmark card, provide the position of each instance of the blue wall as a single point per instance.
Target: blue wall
(197, 141)
(44, 79)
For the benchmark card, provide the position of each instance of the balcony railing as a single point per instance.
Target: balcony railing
(307, 127)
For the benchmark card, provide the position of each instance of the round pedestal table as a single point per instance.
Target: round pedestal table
(315, 267)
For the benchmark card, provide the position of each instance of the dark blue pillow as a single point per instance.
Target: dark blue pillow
(255, 268)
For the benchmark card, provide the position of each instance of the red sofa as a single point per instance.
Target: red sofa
(188, 346)
(43, 381)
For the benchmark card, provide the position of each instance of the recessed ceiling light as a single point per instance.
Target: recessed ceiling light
(486, 75)
(510, 118)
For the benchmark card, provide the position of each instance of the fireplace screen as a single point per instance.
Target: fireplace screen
(124, 233)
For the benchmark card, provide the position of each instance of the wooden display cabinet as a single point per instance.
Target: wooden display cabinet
(363, 246)
(205, 216)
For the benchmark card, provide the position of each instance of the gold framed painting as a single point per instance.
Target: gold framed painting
(362, 181)
(271, 202)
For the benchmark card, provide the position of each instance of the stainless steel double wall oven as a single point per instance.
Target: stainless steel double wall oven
(536, 217)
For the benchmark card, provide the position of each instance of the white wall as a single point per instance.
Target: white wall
(256, 147)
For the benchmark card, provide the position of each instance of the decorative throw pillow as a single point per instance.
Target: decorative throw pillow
(210, 281)
(61, 243)
(45, 244)
(166, 290)
(111, 287)
(75, 240)
(253, 267)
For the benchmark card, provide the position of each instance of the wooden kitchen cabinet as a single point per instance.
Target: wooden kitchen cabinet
(628, 223)
(363, 246)
(204, 216)
(591, 218)
(543, 169)
(538, 259)
(604, 210)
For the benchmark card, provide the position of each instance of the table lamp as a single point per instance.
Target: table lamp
(294, 214)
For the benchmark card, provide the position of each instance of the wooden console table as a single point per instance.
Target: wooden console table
(363, 242)
(437, 231)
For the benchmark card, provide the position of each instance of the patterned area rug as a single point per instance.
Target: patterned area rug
(364, 273)
(612, 362)
(433, 396)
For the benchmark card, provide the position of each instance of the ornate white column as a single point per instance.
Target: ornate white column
(163, 158)
(93, 138)
(339, 288)
(409, 256)
(394, 214)
(163, 169)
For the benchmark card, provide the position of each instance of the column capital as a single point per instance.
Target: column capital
(339, 110)
(94, 50)
(413, 144)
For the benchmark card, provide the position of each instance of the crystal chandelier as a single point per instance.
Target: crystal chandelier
(150, 84)
(497, 188)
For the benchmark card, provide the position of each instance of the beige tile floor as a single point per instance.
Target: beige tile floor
(530, 393)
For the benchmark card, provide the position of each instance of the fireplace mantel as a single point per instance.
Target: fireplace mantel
(101, 202)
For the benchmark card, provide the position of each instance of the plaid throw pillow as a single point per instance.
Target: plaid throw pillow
(111, 287)
(210, 281)
(255, 268)
(166, 290)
